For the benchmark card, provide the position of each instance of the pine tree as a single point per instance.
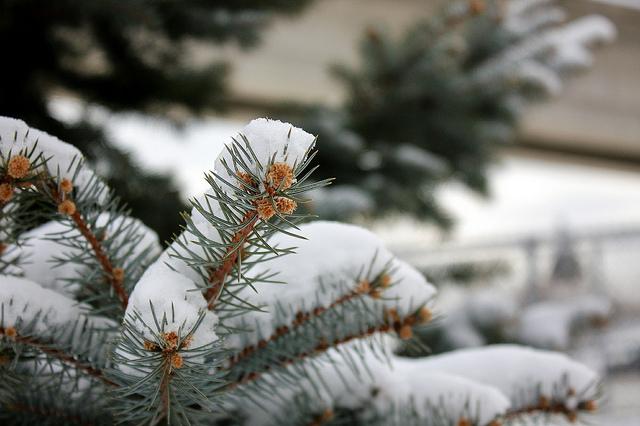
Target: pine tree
(125, 56)
(434, 104)
(249, 317)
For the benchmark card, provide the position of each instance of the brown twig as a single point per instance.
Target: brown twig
(300, 319)
(60, 355)
(549, 407)
(114, 277)
(218, 275)
(388, 325)
(164, 386)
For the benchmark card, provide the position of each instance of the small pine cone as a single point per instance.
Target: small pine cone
(286, 205)
(543, 402)
(246, 180)
(10, 332)
(66, 186)
(18, 166)
(186, 342)
(385, 280)
(590, 406)
(425, 315)
(476, 7)
(405, 332)
(363, 287)
(171, 339)
(118, 274)
(177, 361)
(67, 207)
(6, 192)
(280, 176)
(150, 346)
(265, 209)
(327, 415)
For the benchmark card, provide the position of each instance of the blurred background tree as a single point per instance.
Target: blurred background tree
(125, 56)
(434, 104)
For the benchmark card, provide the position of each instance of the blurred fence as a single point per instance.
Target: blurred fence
(605, 261)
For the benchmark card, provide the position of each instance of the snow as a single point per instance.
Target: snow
(519, 372)
(17, 137)
(524, 16)
(540, 75)
(391, 384)
(631, 4)
(571, 42)
(190, 245)
(340, 201)
(558, 48)
(271, 141)
(169, 284)
(176, 300)
(42, 250)
(22, 300)
(332, 255)
(549, 324)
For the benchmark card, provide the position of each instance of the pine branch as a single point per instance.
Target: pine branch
(47, 414)
(399, 325)
(364, 288)
(218, 276)
(54, 351)
(546, 407)
(113, 275)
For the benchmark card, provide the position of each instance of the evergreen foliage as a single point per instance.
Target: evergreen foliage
(433, 104)
(247, 318)
(125, 56)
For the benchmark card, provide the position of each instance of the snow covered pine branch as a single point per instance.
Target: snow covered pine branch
(251, 316)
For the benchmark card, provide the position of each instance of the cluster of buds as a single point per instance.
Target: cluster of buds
(18, 168)
(404, 326)
(170, 346)
(279, 177)
(10, 332)
(376, 287)
(547, 405)
(65, 205)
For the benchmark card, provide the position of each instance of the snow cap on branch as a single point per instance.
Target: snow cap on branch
(523, 374)
(24, 300)
(45, 250)
(16, 137)
(272, 141)
(390, 385)
(338, 255)
(165, 295)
